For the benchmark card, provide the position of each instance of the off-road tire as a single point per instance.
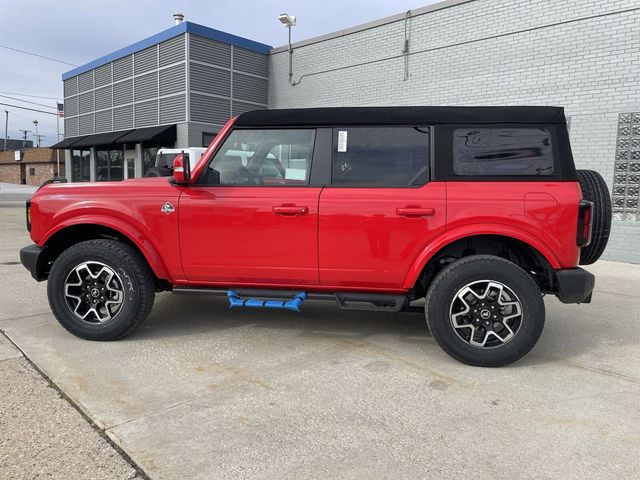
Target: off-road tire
(594, 189)
(462, 272)
(159, 172)
(138, 286)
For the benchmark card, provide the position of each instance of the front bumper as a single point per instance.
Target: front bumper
(575, 285)
(34, 259)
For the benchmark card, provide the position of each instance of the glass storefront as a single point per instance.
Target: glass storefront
(80, 165)
(109, 164)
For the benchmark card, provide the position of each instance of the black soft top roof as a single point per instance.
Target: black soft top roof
(400, 116)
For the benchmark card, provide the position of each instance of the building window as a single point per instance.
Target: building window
(207, 138)
(32, 171)
(380, 156)
(626, 177)
(109, 165)
(502, 151)
(80, 165)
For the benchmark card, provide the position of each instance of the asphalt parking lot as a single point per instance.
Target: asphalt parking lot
(203, 392)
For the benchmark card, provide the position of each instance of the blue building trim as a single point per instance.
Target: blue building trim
(184, 27)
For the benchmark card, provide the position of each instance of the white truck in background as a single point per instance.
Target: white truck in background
(164, 160)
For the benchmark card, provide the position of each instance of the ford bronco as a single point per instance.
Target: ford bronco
(477, 210)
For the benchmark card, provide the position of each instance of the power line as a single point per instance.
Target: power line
(25, 108)
(37, 55)
(28, 95)
(27, 101)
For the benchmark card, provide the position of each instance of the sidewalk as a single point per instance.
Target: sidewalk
(43, 435)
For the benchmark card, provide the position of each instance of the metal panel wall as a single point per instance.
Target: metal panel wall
(71, 127)
(145, 60)
(85, 124)
(173, 109)
(103, 75)
(103, 97)
(146, 86)
(85, 102)
(71, 106)
(85, 81)
(209, 109)
(146, 114)
(205, 50)
(252, 89)
(104, 121)
(250, 62)
(240, 107)
(210, 80)
(172, 79)
(123, 117)
(172, 51)
(123, 92)
(123, 68)
(70, 86)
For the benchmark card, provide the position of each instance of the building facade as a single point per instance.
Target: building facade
(582, 55)
(34, 166)
(175, 89)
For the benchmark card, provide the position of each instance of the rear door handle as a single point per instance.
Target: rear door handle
(288, 210)
(415, 211)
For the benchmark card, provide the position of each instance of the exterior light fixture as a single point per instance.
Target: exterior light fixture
(289, 21)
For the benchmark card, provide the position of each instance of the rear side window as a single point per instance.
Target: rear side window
(380, 156)
(502, 151)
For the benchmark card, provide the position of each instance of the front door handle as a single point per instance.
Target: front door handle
(415, 211)
(289, 210)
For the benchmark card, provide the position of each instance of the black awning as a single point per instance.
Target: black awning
(67, 142)
(163, 134)
(108, 138)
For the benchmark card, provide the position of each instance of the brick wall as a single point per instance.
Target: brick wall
(580, 54)
(39, 165)
(10, 173)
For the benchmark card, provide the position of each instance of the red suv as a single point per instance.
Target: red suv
(477, 210)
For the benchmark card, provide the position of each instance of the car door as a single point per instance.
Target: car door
(380, 210)
(252, 217)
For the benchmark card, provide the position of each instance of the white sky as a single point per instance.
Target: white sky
(78, 32)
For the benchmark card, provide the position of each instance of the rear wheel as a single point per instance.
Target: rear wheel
(485, 311)
(594, 189)
(100, 289)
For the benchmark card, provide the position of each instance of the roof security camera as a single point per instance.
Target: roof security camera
(287, 20)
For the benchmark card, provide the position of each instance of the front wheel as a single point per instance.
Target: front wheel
(100, 289)
(485, 311)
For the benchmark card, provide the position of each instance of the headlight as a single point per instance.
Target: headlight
(28, 215)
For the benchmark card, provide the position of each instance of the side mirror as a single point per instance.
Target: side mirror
(181, 169)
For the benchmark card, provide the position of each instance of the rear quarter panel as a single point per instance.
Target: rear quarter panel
(543, 214)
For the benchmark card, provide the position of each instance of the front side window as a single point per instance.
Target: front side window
(502, 151)
(263, 157)
(380, 156)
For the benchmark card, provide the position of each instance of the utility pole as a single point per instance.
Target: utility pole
(58, 139)
(39, 137)
(35, 122)
(24, 136)
(6, 129)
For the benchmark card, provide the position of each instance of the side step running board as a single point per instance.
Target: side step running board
(371, 301)
(235, 300)
(292, 300)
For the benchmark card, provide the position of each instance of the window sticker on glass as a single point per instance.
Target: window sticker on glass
(342, 141)
(295, 174)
